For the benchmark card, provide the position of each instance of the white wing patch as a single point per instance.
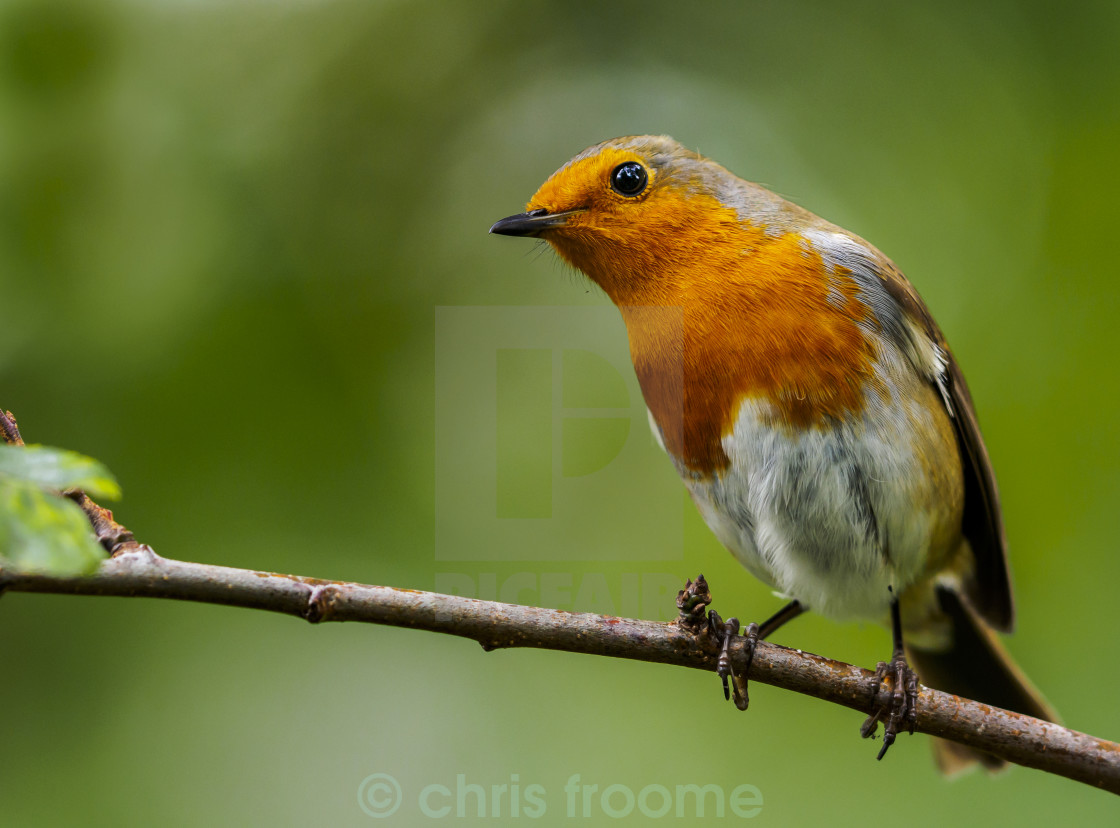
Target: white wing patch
(933, 362)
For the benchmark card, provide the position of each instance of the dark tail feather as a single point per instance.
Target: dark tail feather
(976, 667)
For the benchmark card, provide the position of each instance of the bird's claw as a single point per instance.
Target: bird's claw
(900, 712)
(727, 631)
(692, 601)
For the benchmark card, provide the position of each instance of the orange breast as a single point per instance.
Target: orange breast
(752, 316)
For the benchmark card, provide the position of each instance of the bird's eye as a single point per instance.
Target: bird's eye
(629, 179)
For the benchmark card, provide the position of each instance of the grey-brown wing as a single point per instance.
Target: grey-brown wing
(990, 593)
(989, 590)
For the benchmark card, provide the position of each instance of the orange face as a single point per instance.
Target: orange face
(623, 241)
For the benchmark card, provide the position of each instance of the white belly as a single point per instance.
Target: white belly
(835, 517)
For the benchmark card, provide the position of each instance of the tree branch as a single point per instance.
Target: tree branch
(136, 571)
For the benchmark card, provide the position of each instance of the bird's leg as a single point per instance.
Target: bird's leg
(780, 619)
(900, 711)
(692, 601)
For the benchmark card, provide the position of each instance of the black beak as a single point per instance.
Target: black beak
(531, 223)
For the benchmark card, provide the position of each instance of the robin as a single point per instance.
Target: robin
(811, 406)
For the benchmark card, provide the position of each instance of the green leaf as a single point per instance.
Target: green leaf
(53, 468)
(41, 532)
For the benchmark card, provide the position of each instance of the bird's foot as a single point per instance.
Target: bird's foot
(900, 711)
(727, 630)
(692, 601)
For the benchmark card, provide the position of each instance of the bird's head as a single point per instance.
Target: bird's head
(634, 213)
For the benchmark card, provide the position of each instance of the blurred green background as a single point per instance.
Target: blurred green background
(225, 229)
